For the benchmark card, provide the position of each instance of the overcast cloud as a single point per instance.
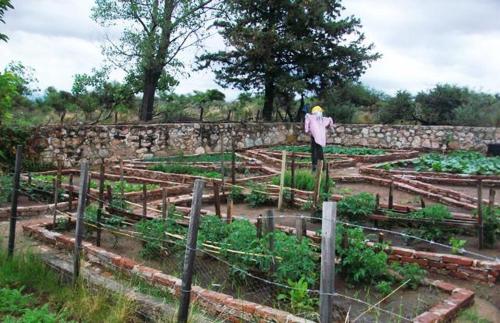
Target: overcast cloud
(423, 42)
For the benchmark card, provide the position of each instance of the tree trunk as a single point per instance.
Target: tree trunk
(298, 116)
(201, 113)
(269, 93)
(63, 114)
(148, 99)
(116, 117)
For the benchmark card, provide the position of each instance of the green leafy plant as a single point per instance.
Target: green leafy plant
(204, 158)
(491, 225)
(462, 162)
(12, 301)
(258, 195)
(185, 169)
(411, 272)
(304, 180)
(431, 225)
(298, 296)
(384, 287)
(117, 186)
(334, 150)
(357, 207)
(457, 245)
(237, 194)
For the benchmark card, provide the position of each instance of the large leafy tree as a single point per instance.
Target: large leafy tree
(285, 47)
(154, 33)
(4, 6)
(437, 105)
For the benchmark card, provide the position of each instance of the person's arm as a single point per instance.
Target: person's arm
(306, 124)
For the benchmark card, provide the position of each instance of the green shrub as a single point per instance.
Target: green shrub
(360, 263)
(491, 225)
(116, 186)
(258, 195)
(457, 245)
(237, 194)
(357, 207)
(384, 287)
(298, 296)
(431, 228)
(304, 180)
(411, 272)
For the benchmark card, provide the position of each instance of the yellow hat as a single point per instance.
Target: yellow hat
(317, 109)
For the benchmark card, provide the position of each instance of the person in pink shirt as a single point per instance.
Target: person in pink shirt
(316, 125)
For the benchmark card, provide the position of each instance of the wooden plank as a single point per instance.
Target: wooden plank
(480, 234)
(216, 198)
(100, 202)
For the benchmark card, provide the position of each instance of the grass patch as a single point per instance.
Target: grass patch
(185, 169)
(470, 316)
(35, 293)
(304, 180)
(205, 158)
(340, 150)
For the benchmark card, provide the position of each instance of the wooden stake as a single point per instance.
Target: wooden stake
(29, 178)
(70, 193)
(122, 190)
(84, 171)
(110, 194)
(327, 261)
(491, 198)
(55, 184)
(391, 197)
(14, 197)
(269, 230)
(377, 202)
(100, 202)
(380, 237)
(282, 179)
(189, 256)
(259, 226)
(345, 240)
(229, 213)
(327, 179)
(292, 180)
(422, 202)
(144, 200)
(300, 227)
(221, 138)
(216, 198)
(233, 163)
(164, 204)
(480, 213)
(317, 183)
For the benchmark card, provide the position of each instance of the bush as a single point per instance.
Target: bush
(491, 224)
(304, 180)
(258, 195)
(411, 272)
(357, 207)
(433, 228)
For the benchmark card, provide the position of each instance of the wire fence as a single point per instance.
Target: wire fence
(212, 271)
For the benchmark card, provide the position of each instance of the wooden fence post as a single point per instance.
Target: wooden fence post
(380, 237)
(70, 193)
(100, 202)
(221, 138)
(189, 256)
(491, 198)
(327, 179)
(144, 200)
(480, 213)
(233, 162)
(84, 171)
(391, 197)
(422, 202)
(29, 178)
(269, 228)
(216, 198)
(377, 202)
(259, 226)
(229, 212)
(14, 196)
(110, 194)
(292, 180)
(327, 261)
(282, 180)
(164, 204)
(122, 184)
(300, 227)
(55, 184)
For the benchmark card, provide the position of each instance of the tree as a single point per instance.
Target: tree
(204, 99)
(9, 84)
(401, 107)
(4, 6)
(155, 32)
(60, 101)
(437, 106)
(94, 92)
(285, 47)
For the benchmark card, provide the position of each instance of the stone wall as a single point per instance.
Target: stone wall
(138, 141)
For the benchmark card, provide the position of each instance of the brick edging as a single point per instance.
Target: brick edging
(214, 302)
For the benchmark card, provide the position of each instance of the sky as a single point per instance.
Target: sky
(423, 43)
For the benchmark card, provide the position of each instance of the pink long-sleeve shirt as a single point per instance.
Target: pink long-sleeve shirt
(316, 126)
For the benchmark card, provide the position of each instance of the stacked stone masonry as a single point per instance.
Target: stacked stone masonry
(138, 141)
